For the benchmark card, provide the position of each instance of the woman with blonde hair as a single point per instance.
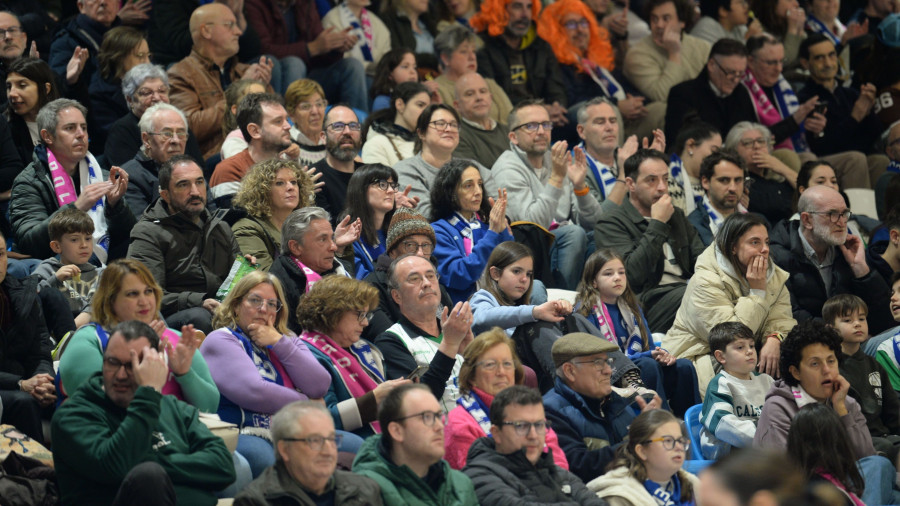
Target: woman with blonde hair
(259, 366)
(490, 365)
(333, 315)
(306, 104)
(269, 193)
(128, 291)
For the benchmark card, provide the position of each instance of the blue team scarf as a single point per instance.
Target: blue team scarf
(816, 26)
(471, 230)
(894, 166)
(363, 352)
(604, 177)
(666, 497)
(475, 407)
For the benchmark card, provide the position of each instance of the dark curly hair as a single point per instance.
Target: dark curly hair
(805, 334)
(444, 200)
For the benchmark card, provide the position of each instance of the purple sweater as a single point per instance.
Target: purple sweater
(239, 380)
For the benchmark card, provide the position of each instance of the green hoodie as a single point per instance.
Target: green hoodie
(400, 485)
(96, 443)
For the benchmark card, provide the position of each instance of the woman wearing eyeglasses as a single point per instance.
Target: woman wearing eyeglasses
(259, 366)
(467, 226)
(647, 470)
(270, 192)
(333, 315)
(305, 103)
(490, 365)
(371, 198)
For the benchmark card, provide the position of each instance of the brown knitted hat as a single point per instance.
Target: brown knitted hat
(407, 222)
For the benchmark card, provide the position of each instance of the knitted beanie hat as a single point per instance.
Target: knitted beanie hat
(407, 222)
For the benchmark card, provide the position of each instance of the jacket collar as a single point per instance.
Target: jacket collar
(579, 401)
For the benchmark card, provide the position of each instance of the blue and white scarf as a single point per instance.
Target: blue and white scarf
(680, 179)
(475, 407)
(670, 495)
(604, 177)
(816, 26)
(894, 166)
(471, 231)
(715, 217)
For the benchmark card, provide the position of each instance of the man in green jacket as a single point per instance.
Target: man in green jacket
(406, 459)
(118, 440)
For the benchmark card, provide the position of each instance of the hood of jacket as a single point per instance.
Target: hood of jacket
(483, 452)
(727, 268)
(390, 128)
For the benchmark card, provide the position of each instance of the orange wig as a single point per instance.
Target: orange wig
(551, 29)
(493, 16)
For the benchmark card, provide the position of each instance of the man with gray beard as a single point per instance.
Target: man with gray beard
(824, 261)
(341, 129)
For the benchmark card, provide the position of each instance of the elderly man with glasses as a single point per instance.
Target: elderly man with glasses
(406, 459)
(824, 260)
(590, 419)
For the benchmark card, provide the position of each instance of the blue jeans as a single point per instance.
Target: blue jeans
(259, 453)
(344, 82)
(243, 476)
(878, 474)
(567, 255)
(286, 71)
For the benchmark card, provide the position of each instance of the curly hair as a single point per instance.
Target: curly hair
(482, 343)
(226, 313)
(588, 296)
(551, 29)
(110, 285)
(326, 302)
(444, 200)
(117, 44)
(802, 335)
(254, 194)
(493, 16)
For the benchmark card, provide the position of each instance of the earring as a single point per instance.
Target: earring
(690, 153)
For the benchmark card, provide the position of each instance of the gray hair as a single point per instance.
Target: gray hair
(288, 421)
(582, 111)
(146, 122)
(450, 39)
(742, 127)
(135, 77)
(48, 116)
(297, 224)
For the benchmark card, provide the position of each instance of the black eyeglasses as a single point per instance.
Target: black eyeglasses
(532, 126)
(12, 31)
(339, 126)
(834, 216)
(428, 417)
(731, 74)
(384, 185)
(115, 364)
(442, 125)
(668, 442)
(316, 443)
(524, 428)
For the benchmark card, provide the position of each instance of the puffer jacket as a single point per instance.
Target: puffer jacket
(275, 487)
(25, 347)
(620, 484)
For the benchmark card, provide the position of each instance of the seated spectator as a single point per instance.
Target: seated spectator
(754, 474)
(667, 56)
(341, 129)
(884, 256)
(306, 104)
(310, 250)
(164, 134)
(258, 365)
(408, 233)
(770, 180)
(143, 86)
(694, 142)
(809, 373)
(722, 176)
(659, 245)
(785, 21)
(14, 45)
(373, 40)
(306, 463)
(735, 280)
(83, 34)
(271, 191)
(823, 260)
(123, 48)
(264, 123)
(63, 156)
(294, 34)
(234, 140)
(624, 25)
(123, 409)
(873, 13)
(820, 172)
(586, 59)
(515, 56)
(371, 200)
(30, 86)
(885, 349)
(824, 17)
(467, 225)
(725, 19)
(188, 249)
(406, 458)
(491, 366)
(869, 381)
(505, 296)
(72, 239)
(26, 372)
(644, 472)
(456, 48)
(413, 27)
(590, 419)
(198, 81)
(481, 138)
(396, 67)
(389, 135)
(425, 335)
(546, 185)
(734, 396)
(333, 314)
(606, 300)
(514, 464)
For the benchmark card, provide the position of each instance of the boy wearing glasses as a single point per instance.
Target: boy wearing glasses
(512, 462)
(406, 459)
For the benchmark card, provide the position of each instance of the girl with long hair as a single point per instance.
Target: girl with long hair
(371, 198)
(388, 135)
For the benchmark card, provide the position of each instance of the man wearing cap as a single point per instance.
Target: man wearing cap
(590, 419)
(409, 232)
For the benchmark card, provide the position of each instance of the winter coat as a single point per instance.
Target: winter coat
(25, 347)
(258, 237)
(620, 485)
(123, 140)
(106, 106)
(143, 183)
(293, 281)
(276, 487)
(544, 78)
(459, 272)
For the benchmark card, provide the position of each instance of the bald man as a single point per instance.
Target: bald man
(197, 83)
(481, 138)
(824, 260)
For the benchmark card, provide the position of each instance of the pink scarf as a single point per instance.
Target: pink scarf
(765, 110)
(840, 486)
(311, 275)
